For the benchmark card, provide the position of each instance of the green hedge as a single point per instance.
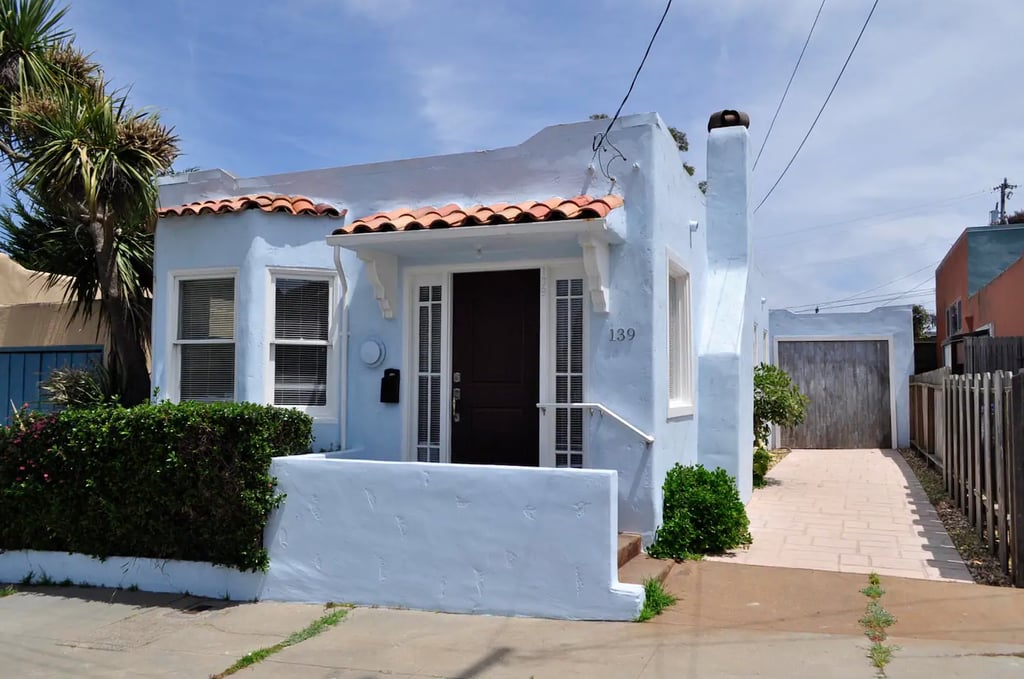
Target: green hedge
(184, 481)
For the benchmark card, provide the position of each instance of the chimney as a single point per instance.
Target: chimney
(728, 197)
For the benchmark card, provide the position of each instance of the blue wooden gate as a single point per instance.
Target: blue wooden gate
(22, 369)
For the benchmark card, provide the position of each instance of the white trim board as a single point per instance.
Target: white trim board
(327, 413)
(380, 251)
(172, 360)
(890, 339)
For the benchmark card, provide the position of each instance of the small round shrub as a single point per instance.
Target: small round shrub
(703, 514)
(762, 458)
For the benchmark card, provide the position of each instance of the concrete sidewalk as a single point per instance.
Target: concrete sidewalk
(731, 621)
(379, 643)
(853, 511)
(93, 632)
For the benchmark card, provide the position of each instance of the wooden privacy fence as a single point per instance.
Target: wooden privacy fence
(972, 428)
(988, 354)
(926, 413)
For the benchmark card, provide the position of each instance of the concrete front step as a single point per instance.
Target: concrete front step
(642, 568)
(629, 547)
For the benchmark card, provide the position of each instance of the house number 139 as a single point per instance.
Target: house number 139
(621, 334)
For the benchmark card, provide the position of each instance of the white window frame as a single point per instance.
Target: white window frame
(550, 274)
(414, 279)
(174, 344)
(680, 404)
(956, 307)
(329, 411)
(756, 353)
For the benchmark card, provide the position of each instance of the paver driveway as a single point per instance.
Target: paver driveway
(854, 511)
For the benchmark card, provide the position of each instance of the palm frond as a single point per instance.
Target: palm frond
(29, 29)
(43, 239)
(92, 150)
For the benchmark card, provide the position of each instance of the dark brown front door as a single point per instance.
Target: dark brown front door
(495, 367)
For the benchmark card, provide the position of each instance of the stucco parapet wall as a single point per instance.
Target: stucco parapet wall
(455, 538)
(554, 161)
(853, 323)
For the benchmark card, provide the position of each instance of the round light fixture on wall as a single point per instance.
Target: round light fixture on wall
(372, 352)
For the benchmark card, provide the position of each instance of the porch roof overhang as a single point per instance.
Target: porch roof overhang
(381, 250)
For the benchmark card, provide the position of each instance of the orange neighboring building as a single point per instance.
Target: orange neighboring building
(979, 288)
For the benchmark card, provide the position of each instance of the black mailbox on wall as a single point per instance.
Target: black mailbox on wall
(389, 386)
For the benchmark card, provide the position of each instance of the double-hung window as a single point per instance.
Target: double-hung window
(953, 318)
(301, 351)
(205, 339)
(680, 367)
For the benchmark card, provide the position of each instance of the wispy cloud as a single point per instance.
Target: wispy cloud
(927, 111)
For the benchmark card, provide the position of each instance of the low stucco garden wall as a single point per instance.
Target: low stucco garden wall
(454, 538)
(457, 538)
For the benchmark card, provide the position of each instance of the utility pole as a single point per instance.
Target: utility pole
(1005, 193)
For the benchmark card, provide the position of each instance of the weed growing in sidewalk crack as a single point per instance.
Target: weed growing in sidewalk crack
(316, 627)
(656, 599)
(876, 621)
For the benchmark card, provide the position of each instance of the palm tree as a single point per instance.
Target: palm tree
(53, 244)
(86, 165)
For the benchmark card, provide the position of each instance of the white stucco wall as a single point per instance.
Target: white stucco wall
(454, 538)
(631, 378)
(894, 323)
(457, 538)
(725, 356)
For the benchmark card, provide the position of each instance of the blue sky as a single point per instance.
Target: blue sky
(925, 121)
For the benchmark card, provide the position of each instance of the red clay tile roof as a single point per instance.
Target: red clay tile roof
(290, 205)
(553, 209)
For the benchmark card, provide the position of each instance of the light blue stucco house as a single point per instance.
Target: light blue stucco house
(538, 305)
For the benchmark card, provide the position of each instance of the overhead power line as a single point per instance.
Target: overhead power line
(846, 222)
(880, 302)
(923, 292)
(786, 91)
(822, 109)
(872, 289)
(600, 139)
(855, 301)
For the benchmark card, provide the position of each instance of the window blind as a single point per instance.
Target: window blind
(301, 327)
(206, 313)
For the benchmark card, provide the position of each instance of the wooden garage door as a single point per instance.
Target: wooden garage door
(848, 387)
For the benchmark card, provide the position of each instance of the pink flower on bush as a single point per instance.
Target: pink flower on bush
(21, 468)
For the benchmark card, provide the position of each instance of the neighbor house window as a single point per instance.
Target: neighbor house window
(205, 340)
(756, 356)
(953, 318)
(301, 341)
(680, 373)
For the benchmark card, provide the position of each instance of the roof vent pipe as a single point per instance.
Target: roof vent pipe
(728, 118)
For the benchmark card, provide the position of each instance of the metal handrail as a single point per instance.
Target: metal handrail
(647, 438)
